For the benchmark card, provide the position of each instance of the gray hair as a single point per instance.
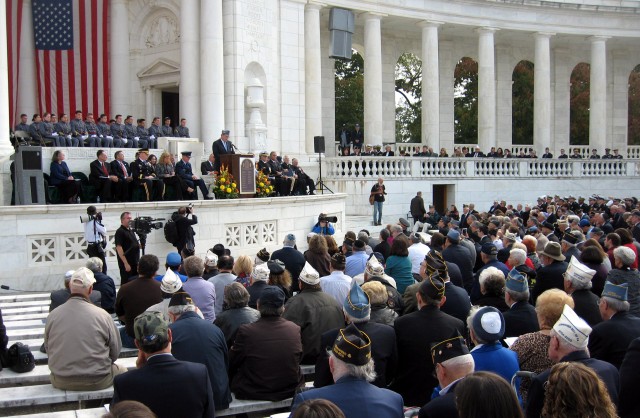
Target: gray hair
(472, 313)
(578, 284)
(396, 228)
(625, 255)
(518, 296)
(180, 309)
(193, 266)
(94, 264)
(519, 256)
(366, 372)
(355, 320)
(564, 345)
(617, 305)
(235, 295)
(490, 272)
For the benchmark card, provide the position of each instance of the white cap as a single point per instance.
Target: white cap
(579, 271)
(170, 283)
(82, 277)
(211, 259)
(374, 268)
(309, 275)
(572, 329)
(67, 275)
(260, 272)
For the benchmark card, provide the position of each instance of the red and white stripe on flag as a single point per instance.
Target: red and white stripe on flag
(14, 30)
(78, 78)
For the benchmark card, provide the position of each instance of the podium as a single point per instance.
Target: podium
(242, 168)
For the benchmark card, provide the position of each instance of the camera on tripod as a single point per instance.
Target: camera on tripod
(143, 225)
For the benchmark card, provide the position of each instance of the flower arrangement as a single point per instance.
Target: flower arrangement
(225, 187)
(264, 188)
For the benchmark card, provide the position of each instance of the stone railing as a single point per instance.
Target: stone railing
(413, 167)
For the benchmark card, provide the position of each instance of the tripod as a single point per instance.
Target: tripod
(320, 184)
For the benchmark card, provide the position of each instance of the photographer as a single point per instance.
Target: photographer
(95, 234)
(127, 248)
(185, 231)
(323, 226)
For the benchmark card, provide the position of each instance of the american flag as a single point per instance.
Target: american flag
(71, 54)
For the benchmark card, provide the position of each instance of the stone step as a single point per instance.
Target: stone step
(22, 297)
(25, 323)
(23, 304)
(20, 311)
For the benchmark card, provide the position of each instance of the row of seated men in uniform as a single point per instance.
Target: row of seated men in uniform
(47, 130)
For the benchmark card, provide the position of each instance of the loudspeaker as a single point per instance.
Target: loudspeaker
(342, 26)
(318, 144)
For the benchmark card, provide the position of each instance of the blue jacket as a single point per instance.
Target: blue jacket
(495, 358)
(327, 230)
(356, 398)
(59, 173)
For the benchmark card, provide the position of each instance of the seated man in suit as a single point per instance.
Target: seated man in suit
(102, 176)
(282, 184)
(184, 170)
(206, 167)
(160, 379)
(352, 369)
(120, 168)
(303, 181)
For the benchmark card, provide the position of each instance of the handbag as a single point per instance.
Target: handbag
(372, 198)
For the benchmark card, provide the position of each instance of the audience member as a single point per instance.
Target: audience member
(318, 254)
(259, 279)
(378, 296)
(202, 292)
(336, 284)
(521, 316)
(279, 276)
(242, 269)
(169, 285)
(60, 296)
(220, 280)
(492, 287)
(293, 259)
(236, 299)
(104, 285)
(551, 274)
(623, 273)
(485, 394)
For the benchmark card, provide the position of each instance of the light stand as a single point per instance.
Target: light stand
(320, 184)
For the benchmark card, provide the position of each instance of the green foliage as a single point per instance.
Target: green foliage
(522, 104)
(408, 85)
(579, 102)
(634, 107)
(349, 94)
(465, 102)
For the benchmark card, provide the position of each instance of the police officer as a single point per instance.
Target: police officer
(144, 176)
(184, 171)
(182, 131)
(95, 234)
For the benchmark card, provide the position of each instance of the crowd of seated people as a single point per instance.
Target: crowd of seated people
(557, 321)
(50, 130)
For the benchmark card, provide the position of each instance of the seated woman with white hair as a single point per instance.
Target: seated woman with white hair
(492, 282)
(622, 272)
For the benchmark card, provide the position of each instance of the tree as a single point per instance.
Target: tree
(522, 104)
(349, 85)
(579, 102)
(633, 137)
(408, 87)
(465, 102)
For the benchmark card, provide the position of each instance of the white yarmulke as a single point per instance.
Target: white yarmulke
(211, 259)
(491, 322)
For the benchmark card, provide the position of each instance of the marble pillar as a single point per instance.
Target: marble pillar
(598, 94)
(372, 79)
(211, 74)
(313, 75)
(542, 93)
(148, 102)
(119, 58)
(5, 123)
(486, 90)
(27, 87)
(430, 85)
(190, 65)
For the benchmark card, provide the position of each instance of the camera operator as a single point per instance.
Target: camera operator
(323, 226)
(95, 234)
(127, 248)
(185, 231)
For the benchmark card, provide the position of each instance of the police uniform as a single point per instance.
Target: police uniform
(154, 189)
(184, 171)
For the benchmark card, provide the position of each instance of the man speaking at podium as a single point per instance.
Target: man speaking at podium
(222, 146)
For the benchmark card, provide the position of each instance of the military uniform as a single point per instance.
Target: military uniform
(21, 127)
(184, 171)
(143, 134)
(132, 137)
(167, 131)
(64, 131)
(282, 184)
(303, 181)
(154, 189)
(47, 132)
(119, 135)
(106, 137)
(182, 132)
(36, 133)
(155, 131)
(79, 130)
(94, 136)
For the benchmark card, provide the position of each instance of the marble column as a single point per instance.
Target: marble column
(119, 58)
(148, 102)
(212, 74)
(542, 93)
(486, 90)
(27, 87)
(430, 85)
(372, 79)
(190, 65)
(5, 124)
(598, 94)
(313, 75)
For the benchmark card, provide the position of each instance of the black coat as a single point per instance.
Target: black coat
(293, 261)
(255, 290)
(606, 372)
(457, 304)
(520, 319)
(459, 255)
(442, 406)
(161, 382)
(610, 339)
(218, 150)
(415, 333)
(105, 285)
(549, 277)
(630, 381)
(383, 352)
(586, 306)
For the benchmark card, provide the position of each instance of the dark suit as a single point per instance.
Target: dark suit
(457, 304)
(441, 407)
(219, 149)
(293, 261)
(356, 398)
(586, 306)
(185, 231)
(476, 294)
(383, 352)
(458, 254)
(415, 333)
(549, 277)
(520, 319)
(184, 171)
(416, 207)
(99, 171)
(121, 191)
(255, 290)
(170, 388)
(606, 372)
(630, 381)
(357, 138)
(610, 339)
(206, 167)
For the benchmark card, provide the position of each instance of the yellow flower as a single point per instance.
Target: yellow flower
(229, 190)
(233, 185)
(261, 184)
(222, 179)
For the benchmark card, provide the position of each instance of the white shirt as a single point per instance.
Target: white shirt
(337, 284)
(417, 252)
(89, 235)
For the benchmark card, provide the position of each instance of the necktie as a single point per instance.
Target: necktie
(226, 146)
(104, 170)
(124, 169)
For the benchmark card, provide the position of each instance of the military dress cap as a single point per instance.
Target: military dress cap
(616, 291)
(211, 259)
(488, 324)
(150, 328)
(275, 266)
(374, 267)
(489, 248)
(578, 271)
(263, 255)
(82, 277)
(187, 153)
(453, 235)
(356, 304)
(264, 154)
(143, 150)
(434, 262)
(173, 259)
(338, 260)
(432, 287)
(554, 251)
(271, 296)
(404, 222)
(170, 283)
(452, 347)
(181, 299)
(225, 132)
(309, 275)
(572, 329)
(569, 237)
(352, 346)
(516, 281)
(260, 272)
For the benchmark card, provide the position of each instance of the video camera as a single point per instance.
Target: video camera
(143, 225)
(323, 217)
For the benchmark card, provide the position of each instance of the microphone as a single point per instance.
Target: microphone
(233, 145)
